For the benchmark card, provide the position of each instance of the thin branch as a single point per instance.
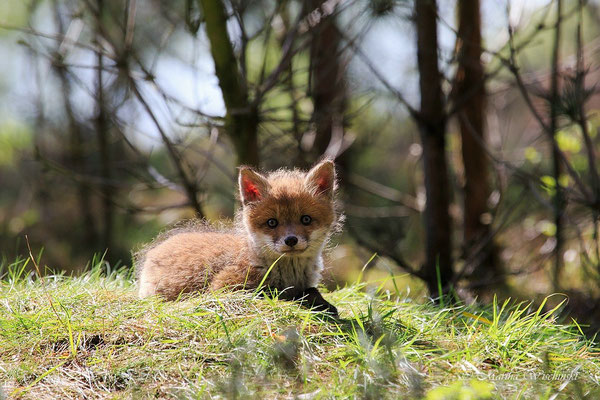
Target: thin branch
(189, 186)
(395, 256)
(385, 192)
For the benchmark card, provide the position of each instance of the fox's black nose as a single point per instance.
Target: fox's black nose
(291, 241)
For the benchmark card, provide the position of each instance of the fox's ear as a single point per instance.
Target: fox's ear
(253, 186)
(321, 178)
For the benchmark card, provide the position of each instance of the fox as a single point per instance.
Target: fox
(284, 224)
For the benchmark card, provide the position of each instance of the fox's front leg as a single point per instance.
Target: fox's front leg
(313, 299)
(310, 298)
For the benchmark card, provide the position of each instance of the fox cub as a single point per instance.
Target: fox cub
(287, 213)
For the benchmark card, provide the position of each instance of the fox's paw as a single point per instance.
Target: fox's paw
(328, 309)
(315, 301)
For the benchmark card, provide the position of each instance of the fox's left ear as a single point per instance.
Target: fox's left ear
(322, 178)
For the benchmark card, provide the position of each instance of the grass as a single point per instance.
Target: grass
(90, 337)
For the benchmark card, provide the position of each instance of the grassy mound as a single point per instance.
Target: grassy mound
(90, 337)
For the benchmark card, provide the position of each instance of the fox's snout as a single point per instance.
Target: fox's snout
(291, 242)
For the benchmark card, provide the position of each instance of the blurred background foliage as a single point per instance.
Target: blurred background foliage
(451, 124)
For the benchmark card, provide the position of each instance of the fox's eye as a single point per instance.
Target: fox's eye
(305, 219)
(272, 223)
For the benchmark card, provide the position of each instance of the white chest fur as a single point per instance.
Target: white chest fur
(298, 272)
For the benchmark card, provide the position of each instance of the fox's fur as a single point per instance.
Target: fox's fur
(199, 256)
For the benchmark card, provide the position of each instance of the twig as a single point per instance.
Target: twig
(398, 259)
(385, 192)
(188, 185)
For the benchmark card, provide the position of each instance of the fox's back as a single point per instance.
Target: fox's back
(188, 261)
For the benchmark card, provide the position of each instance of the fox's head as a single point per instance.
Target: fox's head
(289, 212)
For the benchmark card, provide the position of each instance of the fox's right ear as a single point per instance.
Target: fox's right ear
(253, 186)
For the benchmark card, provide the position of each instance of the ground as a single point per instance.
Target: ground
(91, 337)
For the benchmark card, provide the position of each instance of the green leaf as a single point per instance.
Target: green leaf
(548, 181)
(532, 155)
(546, 228)
(568, 141)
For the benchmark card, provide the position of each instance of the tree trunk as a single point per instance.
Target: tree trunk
(76, 147)
(432, 125)
(328, 84)
(558, 200)
(102, 134)
(470, 99)
(242, 117)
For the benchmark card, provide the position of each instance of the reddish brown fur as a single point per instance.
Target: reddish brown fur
(201, 257)
(289, 200)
